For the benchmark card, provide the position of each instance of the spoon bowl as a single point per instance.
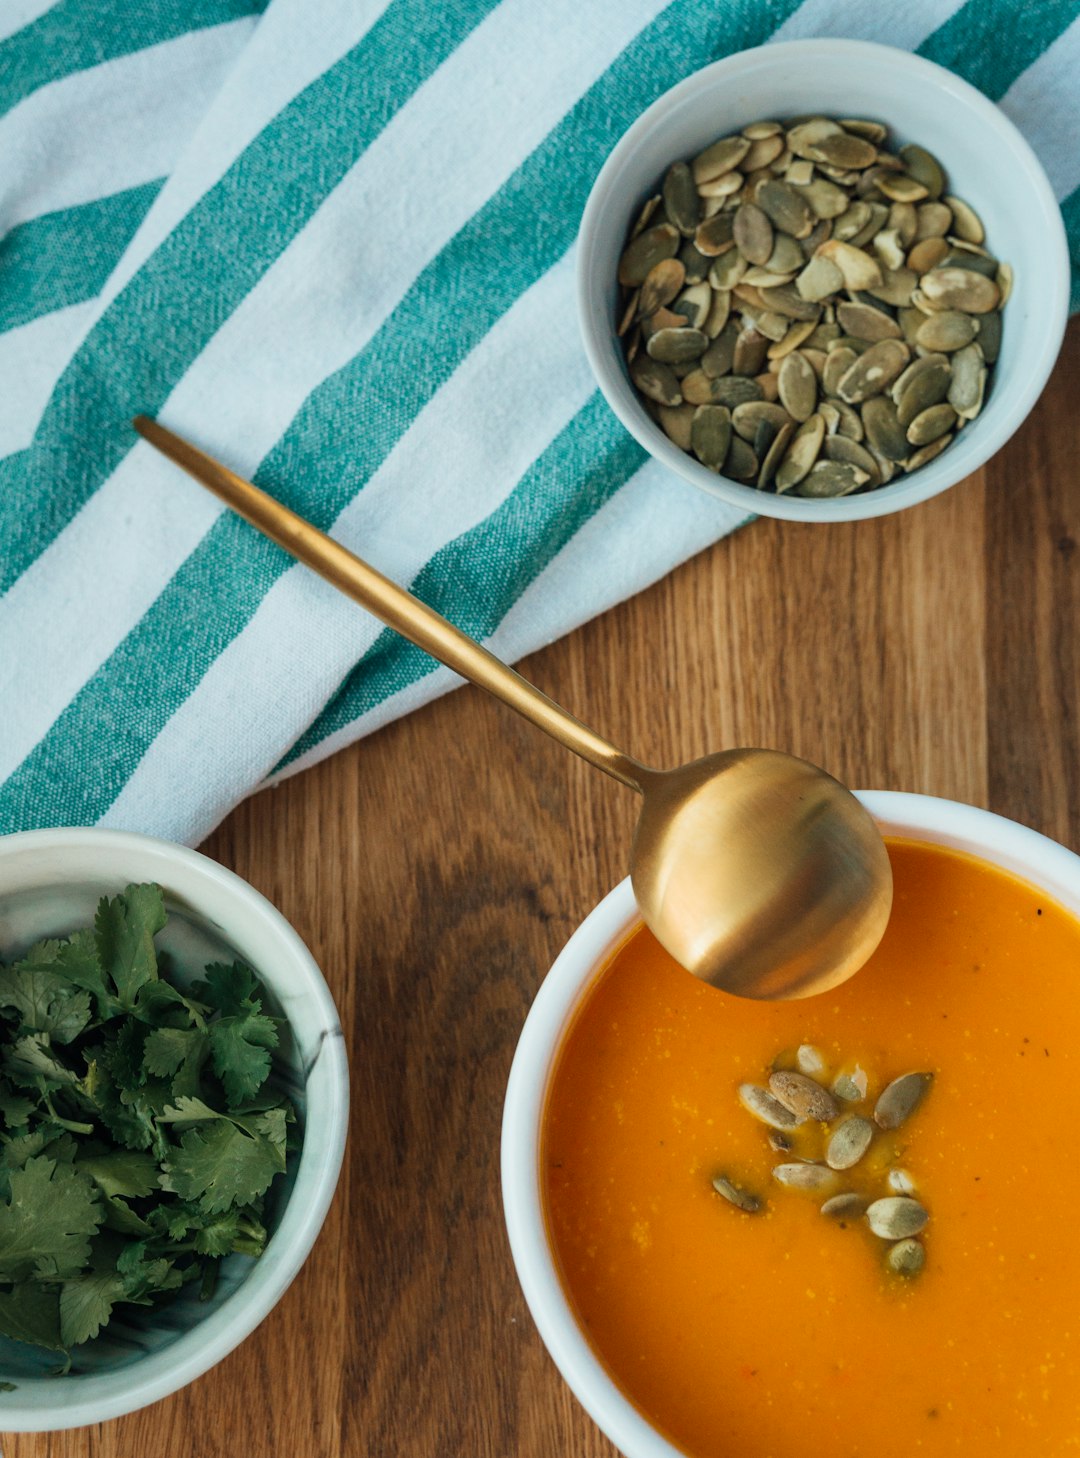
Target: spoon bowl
(761, 873)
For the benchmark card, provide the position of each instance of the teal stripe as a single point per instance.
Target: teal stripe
(350, 424)
(77, 34)
(1070, 211)
(476, 579)
(207, 265)
(989, 42)
(65, 257)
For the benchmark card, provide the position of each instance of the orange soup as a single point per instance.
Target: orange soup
(779, 1334)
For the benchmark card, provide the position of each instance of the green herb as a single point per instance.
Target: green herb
(138, 1131)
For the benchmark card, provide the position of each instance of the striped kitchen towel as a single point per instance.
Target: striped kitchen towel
(332, 241)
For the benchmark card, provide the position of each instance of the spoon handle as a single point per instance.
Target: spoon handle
(397, 608)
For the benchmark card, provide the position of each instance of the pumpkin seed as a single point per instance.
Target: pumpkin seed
(694, 304)
(775, 454)
(933, 364)
(874, 371)
(820, 279)
(966, 223)
(727, 270)
(662, 319)
(786, 208)
(851, 1087)
(924, 167)
(838, 361)
(848, 1206)
(932, 220)
(931, 424)
(866, 322)
(883, 430)
(710, 435)
(750, 350)
(643, 218)
(720, 355)
(851, 223)
(927, 453)
(782, 1143)
(889, 249)
(809, 1060)
(960, 288)
(786, 257)
(831, 478)
(900, 1182)
(842, 149)
(655, 380)
(873, 131)
(896, 288)
(900, 187)
(947, 331)
(662, 284)
(677, 346)
(645, 252)
(675, 421)
(695, 263)
(899, 1100)
(906, 1257)
(715, 235)
(797, 385)
(753, 233)
(990, 335)
(904, 220)
(759, 129)
(802, 1095)
(796, 335)
(801, 1175)
(763, 152)
(806, 135)
(759, 1102)
(849, 452)
(681, 200)
(859, 270)
(718, 188)
(801, 454)
(741, 1199)
(742, 463)
(849, 1141)
(629, 313)
(927, 254)
(896, 1217)
(962, 256)
(827, 201)
(968, 381)
(746, 418)
(721, 157)
(729, 390)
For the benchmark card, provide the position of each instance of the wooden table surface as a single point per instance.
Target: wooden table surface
(436, 869)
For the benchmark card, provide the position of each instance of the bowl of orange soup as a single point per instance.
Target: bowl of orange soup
(916, 1292)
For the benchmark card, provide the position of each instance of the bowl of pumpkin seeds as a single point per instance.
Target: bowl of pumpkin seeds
(822, 280)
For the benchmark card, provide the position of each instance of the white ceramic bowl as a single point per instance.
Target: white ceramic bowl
(987, 161)
(1032, 857)
(50, 883)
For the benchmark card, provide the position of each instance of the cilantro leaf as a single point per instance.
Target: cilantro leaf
(15, 1109)
(31, 1313)
(124, 1172)
(230, 988)
(177, 1053)
(32, 1063)
(240, 1048)
(47, 1221)
(45, 1001)
(220, 1165)
(125, 928)
(78, 960)
(86, 1304)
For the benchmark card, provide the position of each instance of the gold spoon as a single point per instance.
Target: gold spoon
(760, 873)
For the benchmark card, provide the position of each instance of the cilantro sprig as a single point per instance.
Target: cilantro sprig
(140, 1129)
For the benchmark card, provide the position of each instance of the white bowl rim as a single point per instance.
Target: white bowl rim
(1032, 857)
(172, 1367)
(938, 475)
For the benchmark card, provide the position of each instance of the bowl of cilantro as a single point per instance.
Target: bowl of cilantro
(173, 1105)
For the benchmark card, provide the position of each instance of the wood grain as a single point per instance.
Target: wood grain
(436, 869)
